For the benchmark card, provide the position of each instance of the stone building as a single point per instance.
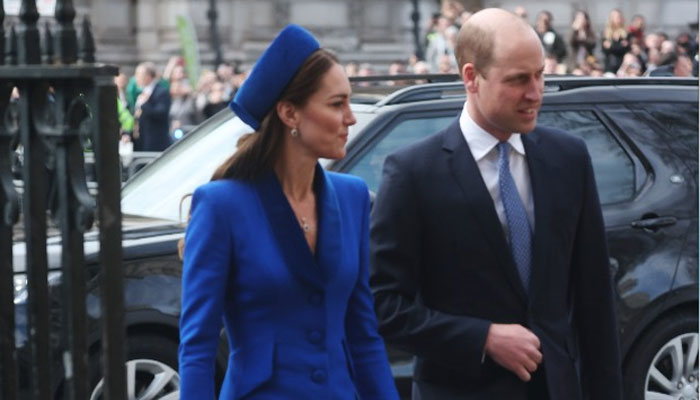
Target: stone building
(376, 31)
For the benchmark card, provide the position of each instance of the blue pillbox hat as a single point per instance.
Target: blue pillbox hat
(272, 73)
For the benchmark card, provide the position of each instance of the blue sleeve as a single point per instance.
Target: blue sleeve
(207, 264)
(373, 376)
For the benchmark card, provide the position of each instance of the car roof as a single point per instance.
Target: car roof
(445, 87)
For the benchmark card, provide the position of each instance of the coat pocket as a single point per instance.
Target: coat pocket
(252, 364)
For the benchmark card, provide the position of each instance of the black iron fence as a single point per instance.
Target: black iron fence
(53, 99)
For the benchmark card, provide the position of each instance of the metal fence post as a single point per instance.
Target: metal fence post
(60, 106)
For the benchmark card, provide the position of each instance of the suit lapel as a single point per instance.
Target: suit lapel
(479, 201)
(329, 237)
(288, 234)
(539, 169)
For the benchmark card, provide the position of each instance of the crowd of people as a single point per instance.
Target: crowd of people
(156, 108)
(619, 50)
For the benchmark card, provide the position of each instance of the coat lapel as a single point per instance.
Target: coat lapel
(287, 232)
(540, 171)
(478, 199)
(329, 238)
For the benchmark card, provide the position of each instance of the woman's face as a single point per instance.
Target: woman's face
(324, 120)
(616, 18)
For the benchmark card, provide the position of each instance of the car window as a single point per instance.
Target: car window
(369, 166)
(613, 168)
(158, 190)
(680, 127)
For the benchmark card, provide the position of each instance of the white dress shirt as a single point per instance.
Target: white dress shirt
(483, 148)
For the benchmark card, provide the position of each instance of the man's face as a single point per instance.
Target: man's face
(508, 95)
(143, 78)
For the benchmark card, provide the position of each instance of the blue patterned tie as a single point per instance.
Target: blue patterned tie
(518, 225)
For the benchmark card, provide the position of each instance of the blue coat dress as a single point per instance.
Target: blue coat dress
(299, 325)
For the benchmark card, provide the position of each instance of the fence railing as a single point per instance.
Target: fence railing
(54, 97)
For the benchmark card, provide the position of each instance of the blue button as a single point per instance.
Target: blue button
(316, 299)
(315, 337)
(319, 376)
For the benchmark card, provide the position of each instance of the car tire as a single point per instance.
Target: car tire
(665, 360)
(151, 363)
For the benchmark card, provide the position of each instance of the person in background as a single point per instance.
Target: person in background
(615, 41)
(551, 40)
(126, 119)
(439, 44)
(152, 107)
(277, 247)
(551, 66)
(630, 67)
(452, 10)
(351, 69)
(225, 73)
(635, 30)
(582, 38)
(421, 68)
(183, 113)
(488, 250)
(521, 12)
(216, 100)
(206, 82)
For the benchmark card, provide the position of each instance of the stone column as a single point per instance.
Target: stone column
(114, 26)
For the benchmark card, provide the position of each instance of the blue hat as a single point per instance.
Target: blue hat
(271, 74)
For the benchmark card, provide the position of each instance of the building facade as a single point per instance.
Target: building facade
(376, 31)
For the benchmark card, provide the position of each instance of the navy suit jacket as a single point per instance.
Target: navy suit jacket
(442, 270)
(299, 325)
(154, 122)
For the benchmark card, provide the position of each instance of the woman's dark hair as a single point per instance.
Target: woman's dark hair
(257, 152)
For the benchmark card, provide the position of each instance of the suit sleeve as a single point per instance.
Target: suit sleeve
(373, 376)
(594, 309)
(397, 262)
(207, 261)
(158, 105)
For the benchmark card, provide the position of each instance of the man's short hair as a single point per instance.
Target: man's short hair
(474, 45)
(149, 68)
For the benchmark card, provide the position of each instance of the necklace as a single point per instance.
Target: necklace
(305, 225)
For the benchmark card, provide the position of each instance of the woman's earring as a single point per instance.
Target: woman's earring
(294, 132)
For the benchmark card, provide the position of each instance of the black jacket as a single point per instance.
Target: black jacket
(442, 270)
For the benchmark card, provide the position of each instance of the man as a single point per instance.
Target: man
(151, 110)
(488, 251)
(551, 40)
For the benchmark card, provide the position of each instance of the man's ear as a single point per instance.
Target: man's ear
(470, 77)
(287, 113)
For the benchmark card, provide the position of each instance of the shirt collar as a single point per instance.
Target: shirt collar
(149, 88)
(480, 141)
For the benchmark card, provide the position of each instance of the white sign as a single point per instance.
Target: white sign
(46, 8)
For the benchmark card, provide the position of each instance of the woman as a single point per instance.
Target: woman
(278, 247)
(582, 39)
(615, 43)
(183, 114)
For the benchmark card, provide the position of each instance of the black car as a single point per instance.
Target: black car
(642, 135)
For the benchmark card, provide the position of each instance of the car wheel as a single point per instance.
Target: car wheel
(151, 370)
(664, 364)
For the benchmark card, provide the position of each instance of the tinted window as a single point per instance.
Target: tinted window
(614, 170)
(369, 166)
(680, 129)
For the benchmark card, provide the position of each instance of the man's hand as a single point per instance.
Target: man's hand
(515, 348)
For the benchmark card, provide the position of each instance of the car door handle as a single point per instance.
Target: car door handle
(654, 223)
